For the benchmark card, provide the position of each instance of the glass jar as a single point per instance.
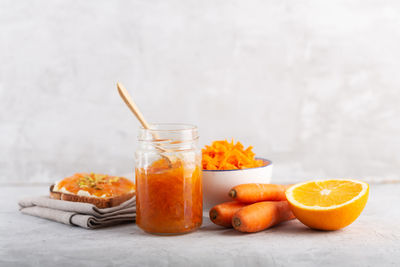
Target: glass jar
(169, 196)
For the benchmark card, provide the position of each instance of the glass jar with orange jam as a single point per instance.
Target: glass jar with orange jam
(169, 197)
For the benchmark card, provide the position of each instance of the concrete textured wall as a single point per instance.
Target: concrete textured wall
(312, 85)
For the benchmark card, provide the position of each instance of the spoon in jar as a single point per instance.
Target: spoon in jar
(135, 110)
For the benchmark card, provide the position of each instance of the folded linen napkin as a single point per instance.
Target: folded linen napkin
(77, 213)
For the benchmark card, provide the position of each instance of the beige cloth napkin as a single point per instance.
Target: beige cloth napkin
(76, 213)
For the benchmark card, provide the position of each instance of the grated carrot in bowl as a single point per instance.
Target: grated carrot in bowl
(224, 155)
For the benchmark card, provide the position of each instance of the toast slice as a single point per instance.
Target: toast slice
(103, 191)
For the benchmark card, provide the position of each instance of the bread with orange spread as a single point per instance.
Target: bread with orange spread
(101, 190)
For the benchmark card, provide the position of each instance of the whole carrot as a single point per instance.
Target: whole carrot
(252, 193)
(222, 214)
(262, 215)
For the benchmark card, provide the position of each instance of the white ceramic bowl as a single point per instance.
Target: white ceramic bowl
(217, 183)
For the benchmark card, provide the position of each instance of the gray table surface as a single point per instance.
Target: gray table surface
(373, 240)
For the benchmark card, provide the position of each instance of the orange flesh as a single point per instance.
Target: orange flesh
(224, 155)
(97, 184)
(169, 198)
(326, 194)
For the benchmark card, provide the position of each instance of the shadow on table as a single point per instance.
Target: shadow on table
(291, 227)
(285, 228)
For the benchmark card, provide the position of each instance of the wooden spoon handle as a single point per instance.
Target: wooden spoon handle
(131, 105)
(135, 110)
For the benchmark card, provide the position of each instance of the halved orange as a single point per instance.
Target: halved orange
(328, 204)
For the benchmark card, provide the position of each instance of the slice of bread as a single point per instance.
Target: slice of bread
(98, 202)
(87, 182)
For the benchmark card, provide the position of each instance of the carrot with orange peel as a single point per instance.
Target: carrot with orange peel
(262, 215)
(222, 214)
(252, 193)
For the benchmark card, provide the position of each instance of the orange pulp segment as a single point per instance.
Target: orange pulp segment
(326, 193)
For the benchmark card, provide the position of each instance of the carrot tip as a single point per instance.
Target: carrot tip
(213, 214)
(236, 222)
(232, 193)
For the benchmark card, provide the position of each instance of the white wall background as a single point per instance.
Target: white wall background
(313, 85)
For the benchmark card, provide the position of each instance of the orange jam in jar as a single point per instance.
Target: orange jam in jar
(169, 197)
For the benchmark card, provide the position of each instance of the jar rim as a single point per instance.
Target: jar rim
(180, 127)
(168, 133)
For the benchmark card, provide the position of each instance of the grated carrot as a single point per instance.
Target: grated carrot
(224, 155)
